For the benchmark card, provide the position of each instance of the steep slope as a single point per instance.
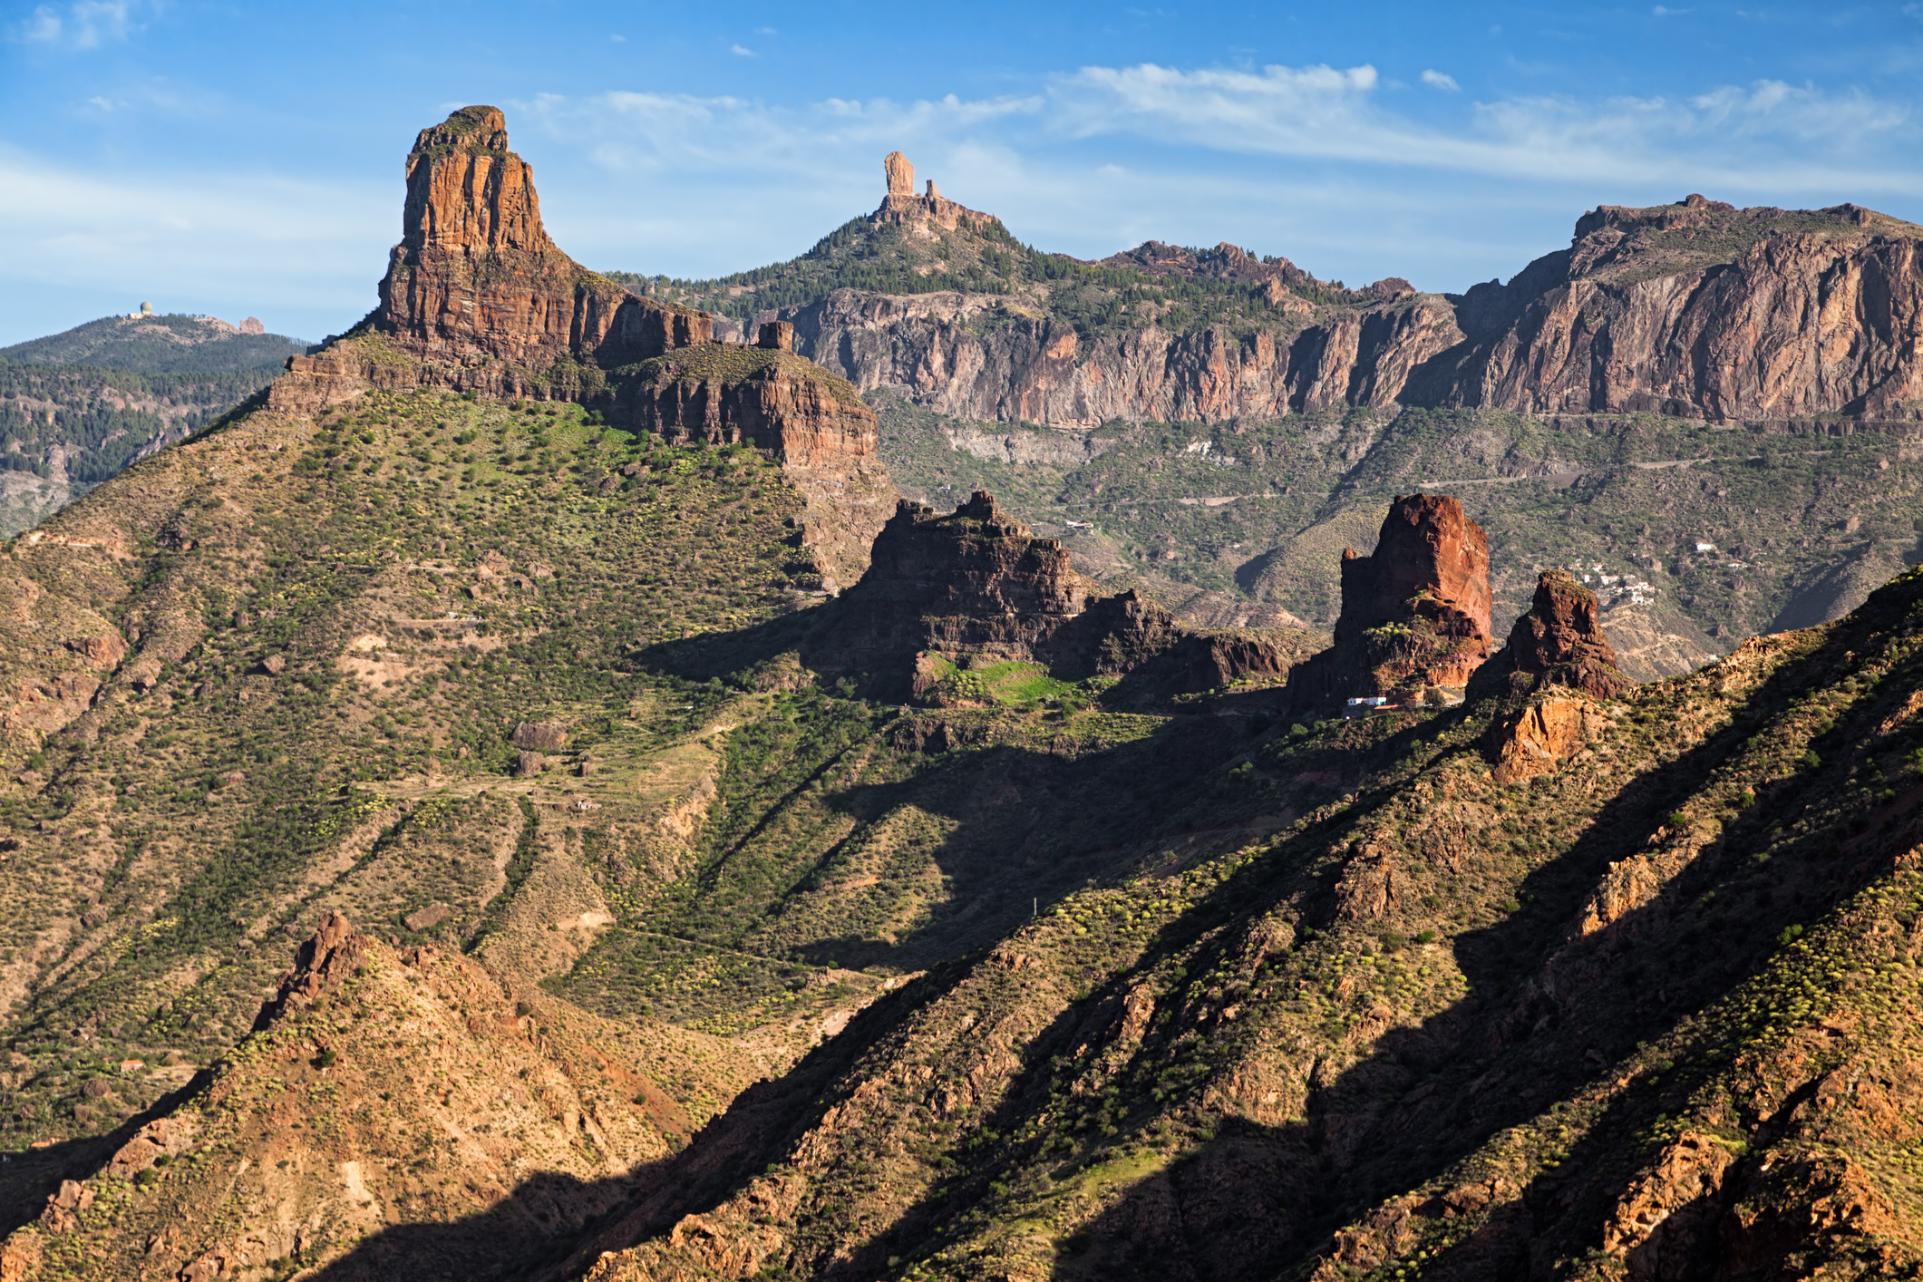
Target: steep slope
(381, 1085)
(77, 407)
(1649, 1015)
(1701, 309)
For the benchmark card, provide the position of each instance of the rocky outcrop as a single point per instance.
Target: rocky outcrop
(1538, 738)
(1559, 641)
(478, 295)
(927, 213)
(766, 396)
(988, 357)
(477, 298)
(1415, 612)
(1701, 309)
(977, 585)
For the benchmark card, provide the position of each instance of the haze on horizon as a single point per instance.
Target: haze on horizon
(242, 161)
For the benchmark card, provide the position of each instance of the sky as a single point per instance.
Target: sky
(244, 157)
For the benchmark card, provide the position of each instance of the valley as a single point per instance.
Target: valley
(640, 780)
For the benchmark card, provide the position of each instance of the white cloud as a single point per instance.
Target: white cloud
(81, 25)
(1664, 11)
(742, 51)
(1439, 80)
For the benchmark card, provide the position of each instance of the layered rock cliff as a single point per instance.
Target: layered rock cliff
(1415, 612)
(990, 357)
(1696, 309)
(1701, 309)
(477, 298)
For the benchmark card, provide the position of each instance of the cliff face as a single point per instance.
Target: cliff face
(478, 298)
(1701, 309)
(1696, 309)
(1415, 612)
(974, 356)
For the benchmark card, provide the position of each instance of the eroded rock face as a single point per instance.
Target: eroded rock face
(1538, 738)
(1415, 612)
(475, 271)
(1558, 642)
(1807, 313)
(980, 357)
(976, 584)
(1696, 309)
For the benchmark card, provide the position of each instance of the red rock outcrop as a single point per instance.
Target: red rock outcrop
(1559, 641)
(478, 298)
(1415, 612)
(1537, 738)
(977, 584)
(1701, 309)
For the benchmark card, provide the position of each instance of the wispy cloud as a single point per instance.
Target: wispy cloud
(1439, 80)
(259, 237)
(80, 25)
(742, 51)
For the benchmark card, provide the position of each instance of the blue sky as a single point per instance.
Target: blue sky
(245, 157)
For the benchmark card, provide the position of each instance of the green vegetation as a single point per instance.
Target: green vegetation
(1092, 298)
(76, 408)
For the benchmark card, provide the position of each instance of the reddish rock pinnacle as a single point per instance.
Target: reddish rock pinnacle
(1558, 642)
(1415, 612)
(475, 272)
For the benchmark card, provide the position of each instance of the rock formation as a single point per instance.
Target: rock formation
(766, 396)
(977, 584)
(1559, 641)
(900, 174)
(1415, 612)
(1537, 738)
(923, 214)
(1696, 309)
(478, 298)
(1701, 309)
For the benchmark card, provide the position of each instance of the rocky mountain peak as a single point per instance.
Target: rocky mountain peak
(477, 298)
(467, 191)
(925, 213)
(1559, 641)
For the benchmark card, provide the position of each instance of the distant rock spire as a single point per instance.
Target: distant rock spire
(901, 174)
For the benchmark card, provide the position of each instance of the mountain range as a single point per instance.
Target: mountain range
(77, 407)
(524, 796)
